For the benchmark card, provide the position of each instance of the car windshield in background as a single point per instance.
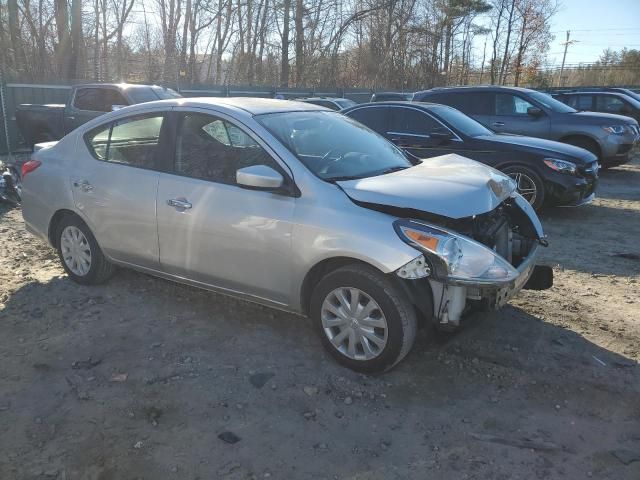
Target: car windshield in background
(461, 122)
(345, 102)
(332, 146)
(551, 103)
(151, 94)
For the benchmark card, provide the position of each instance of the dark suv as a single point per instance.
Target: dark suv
(605, 102)
(614, 139)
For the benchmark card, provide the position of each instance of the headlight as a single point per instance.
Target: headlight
(561, 166)
(455, 257)
(616, 129)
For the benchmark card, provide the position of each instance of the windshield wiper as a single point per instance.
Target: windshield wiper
(392, 169)
(344, 178)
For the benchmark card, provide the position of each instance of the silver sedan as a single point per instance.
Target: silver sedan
(289, 205)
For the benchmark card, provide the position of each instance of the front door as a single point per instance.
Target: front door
(210, 229)
(115, 184)
(416, 132)
(511, 117)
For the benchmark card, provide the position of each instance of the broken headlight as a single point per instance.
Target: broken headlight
(456, 258)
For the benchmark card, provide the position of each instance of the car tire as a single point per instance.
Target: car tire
(382, 338)
(80, 254)
(526, 180)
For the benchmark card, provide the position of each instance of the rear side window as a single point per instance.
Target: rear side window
(132, 141)
(376, 118)
(411, 121)
(471, 103)
(210, 148)
(98, 99)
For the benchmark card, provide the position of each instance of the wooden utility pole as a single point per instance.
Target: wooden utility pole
(564, 56)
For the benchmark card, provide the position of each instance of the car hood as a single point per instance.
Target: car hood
(542, 146)
(450, 185)
(598, 118)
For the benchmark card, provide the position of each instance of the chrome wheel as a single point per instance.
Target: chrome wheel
(526, 186)
(354, 323)
(76, 250)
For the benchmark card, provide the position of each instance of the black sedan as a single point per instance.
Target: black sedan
(546, 172)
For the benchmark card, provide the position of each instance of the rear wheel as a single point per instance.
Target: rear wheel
(529, 184)
(365, 322)
(80, 254)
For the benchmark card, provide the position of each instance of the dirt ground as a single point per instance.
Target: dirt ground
(145, 379)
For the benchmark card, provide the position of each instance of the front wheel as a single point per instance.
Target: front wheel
(365, 322)
(529, 184)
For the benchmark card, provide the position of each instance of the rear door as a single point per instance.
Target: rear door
(91, 102)
(115, 184)
(511, 117)
(210, 229)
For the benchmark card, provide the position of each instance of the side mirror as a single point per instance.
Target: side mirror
(535, 112)
(441, 134)
(116, 107)
(259, 177)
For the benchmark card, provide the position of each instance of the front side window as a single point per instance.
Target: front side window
(210, 148)
(333, 146)
(507, 104)
(90, 99)
(131, 141)
(461, 122)
(376, 118)
(411, 121)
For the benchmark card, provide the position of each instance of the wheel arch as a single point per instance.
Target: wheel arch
(55, 221)
(318, 271)
(584, 137)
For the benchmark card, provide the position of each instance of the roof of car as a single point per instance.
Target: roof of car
(496, 88)
(592, 92)
(117, 85)
(403, 103)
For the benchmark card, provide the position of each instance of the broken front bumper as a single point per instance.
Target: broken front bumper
(451, 299)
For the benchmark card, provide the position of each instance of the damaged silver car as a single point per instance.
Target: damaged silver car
(292, 206)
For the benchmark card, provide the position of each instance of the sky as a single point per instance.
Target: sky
(595, 24)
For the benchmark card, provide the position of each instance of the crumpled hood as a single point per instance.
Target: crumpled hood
(450, 185)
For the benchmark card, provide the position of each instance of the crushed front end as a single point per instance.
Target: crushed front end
(476, 262)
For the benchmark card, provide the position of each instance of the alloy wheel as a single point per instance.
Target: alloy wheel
(76, 250)
(526, 186)
(354, 323)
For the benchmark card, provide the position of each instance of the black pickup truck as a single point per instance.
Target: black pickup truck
(44, 123)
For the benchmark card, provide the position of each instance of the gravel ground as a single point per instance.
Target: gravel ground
(143, 378)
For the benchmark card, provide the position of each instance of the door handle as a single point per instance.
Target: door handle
(84, 185)
(498, 124)
(71, 117)
(180, 204)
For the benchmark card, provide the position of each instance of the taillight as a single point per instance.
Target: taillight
(29, 167)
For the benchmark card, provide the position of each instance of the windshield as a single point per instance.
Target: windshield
(332, 146)
(459, 121)
(345, 102)
(551, 103)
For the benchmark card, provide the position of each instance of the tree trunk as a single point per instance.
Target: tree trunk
(284, 66)
(299, 44)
